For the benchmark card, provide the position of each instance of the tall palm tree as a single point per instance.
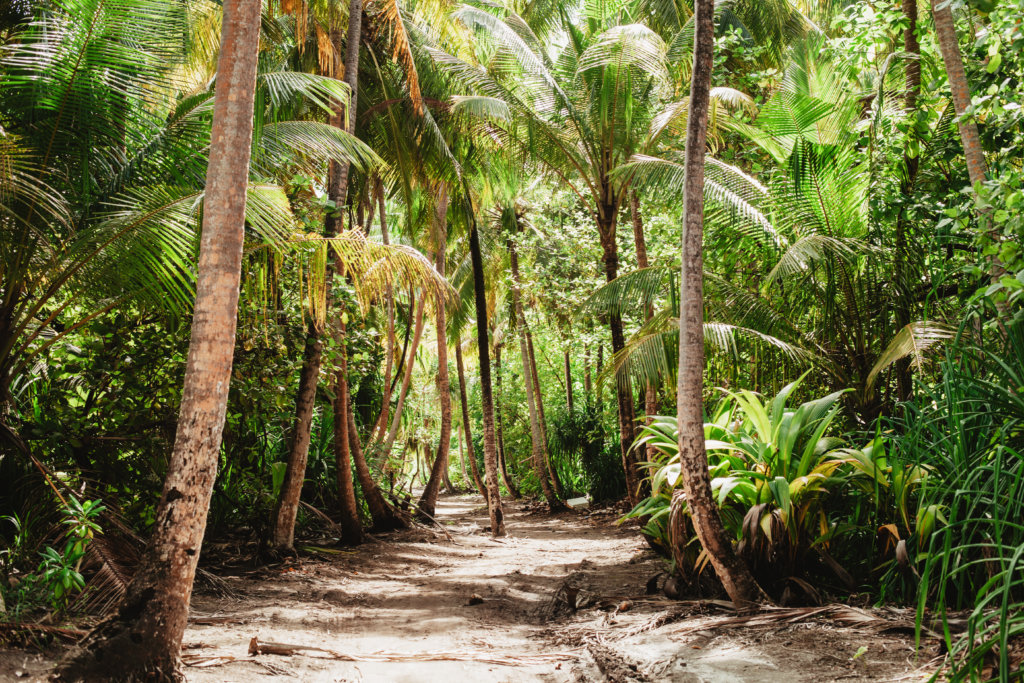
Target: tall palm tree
(825, 295)
(439, 469)
(693, 459)
(494, 509)
(144, 641)
(606, 86)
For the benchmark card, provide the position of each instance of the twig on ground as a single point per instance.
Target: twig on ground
(256, 647)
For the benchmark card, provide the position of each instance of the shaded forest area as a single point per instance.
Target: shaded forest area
(744, 277)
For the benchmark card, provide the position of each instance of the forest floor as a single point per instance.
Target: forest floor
(561, 598)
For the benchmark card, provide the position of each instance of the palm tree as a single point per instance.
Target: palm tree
(826, 297)
(487, 399)
(693, 459)
(100, 190)
(439, 470)
(949, 46)
(144, 641)
(607, 85)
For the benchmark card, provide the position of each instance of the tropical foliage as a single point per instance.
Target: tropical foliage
(462, 270)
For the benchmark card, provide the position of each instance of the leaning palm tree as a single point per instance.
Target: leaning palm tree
(144, 640)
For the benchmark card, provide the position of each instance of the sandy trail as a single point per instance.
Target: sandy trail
(413, 599)
(545, 603)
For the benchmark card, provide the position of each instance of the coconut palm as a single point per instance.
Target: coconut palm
(826, 297)
(103, 180)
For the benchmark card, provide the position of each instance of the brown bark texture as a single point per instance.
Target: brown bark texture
(351, 527)
(650, 391)
(945, 31)
(623, 385)
(731, 570)
(384, 516)
(282, 538)
(537, 444)
(286, 510)
(439, 471)
(473, 467)
(142, 641)
(487, 400)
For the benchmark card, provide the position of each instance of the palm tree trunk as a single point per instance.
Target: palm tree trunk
(487, 400)
(912, 48)
(650, 391)
(337, 191)
(282, 538)
(143, 641)
(396, 419)
(623, 385)
(477, 480)
(945, 31)
(556, 483)
(286, 509)
(439, 472)
(351, 527)
(731, 570)
(540, 468)
(500, 428)
(384, 516)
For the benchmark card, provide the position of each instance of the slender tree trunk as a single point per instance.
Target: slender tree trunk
(945, 31)
(556, 483)
(477, 480)
(286, 510)
(384, 516)
(490, 450)
(568, 381)
(731, 570)
(650, 391)
(377, 433)
(337, 192)
(351, 527)
(462, 452)
(903, 280)
(623, 385)
(587, 386)
(537, 444)
(287, 507)
(389, 440)
(143, 640)
(499, 427)
(439, 472)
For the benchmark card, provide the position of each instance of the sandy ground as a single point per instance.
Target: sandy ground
(562, 598)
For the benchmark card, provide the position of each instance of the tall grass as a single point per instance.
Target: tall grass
(969, 430)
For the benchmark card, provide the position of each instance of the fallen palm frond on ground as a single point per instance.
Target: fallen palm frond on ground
(695, 613)
(10, 630)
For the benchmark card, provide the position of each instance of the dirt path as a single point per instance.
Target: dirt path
(560, 599)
